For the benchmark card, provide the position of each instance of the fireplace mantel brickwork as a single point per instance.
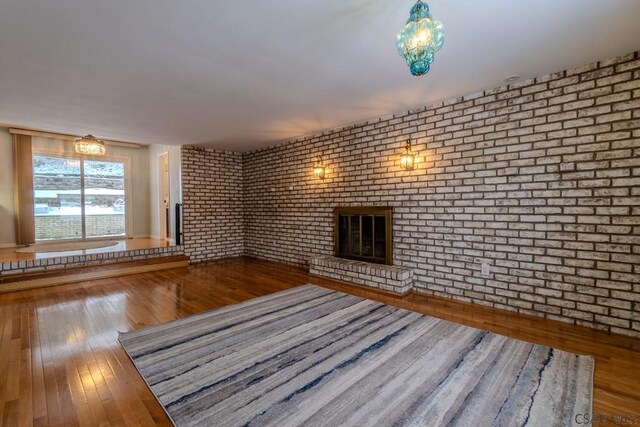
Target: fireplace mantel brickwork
(398, 280)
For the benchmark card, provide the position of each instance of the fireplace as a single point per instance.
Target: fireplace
(364, 234)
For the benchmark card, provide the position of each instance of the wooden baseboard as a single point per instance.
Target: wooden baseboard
(63, 279)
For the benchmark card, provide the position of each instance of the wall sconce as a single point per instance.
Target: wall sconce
(408, 160)
(319, 169)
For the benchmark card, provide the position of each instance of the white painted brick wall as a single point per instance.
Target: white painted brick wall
(540, 179)
(212, 203)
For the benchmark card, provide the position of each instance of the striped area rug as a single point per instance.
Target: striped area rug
(311, 356)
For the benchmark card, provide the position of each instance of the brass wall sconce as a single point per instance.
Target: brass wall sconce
(408, 160)
(319, 169)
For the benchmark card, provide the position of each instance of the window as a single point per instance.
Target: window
(77, 198)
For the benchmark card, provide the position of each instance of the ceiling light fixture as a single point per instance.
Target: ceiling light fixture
(420, 39)
(90, 145)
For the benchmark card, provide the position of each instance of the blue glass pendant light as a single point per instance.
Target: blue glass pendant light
(420, 39)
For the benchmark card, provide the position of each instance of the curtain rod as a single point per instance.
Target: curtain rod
(30, 132)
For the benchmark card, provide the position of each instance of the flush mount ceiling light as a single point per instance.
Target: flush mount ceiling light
(408, 159)
(319, 169)
(420, 39)
(90, 145)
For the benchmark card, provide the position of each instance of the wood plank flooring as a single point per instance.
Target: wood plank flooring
(61, 364)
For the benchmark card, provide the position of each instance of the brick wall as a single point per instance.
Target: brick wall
(212, 200)
(540, 179)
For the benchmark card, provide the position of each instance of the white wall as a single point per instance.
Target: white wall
(7, 221)
(175, 187)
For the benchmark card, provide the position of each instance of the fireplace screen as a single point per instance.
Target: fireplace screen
(363, 233)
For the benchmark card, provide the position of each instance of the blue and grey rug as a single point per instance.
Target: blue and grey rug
(312, 356)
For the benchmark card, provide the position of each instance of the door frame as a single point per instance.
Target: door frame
(164, 189)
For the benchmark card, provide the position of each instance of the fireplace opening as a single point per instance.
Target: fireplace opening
(364, 233)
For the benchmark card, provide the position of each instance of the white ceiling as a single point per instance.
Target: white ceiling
(244, 74)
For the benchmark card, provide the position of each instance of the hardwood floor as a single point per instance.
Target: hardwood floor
(61, 364)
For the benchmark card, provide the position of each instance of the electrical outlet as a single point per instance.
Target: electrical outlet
(486, 269)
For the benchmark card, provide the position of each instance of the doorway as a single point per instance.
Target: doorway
(164, 197)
